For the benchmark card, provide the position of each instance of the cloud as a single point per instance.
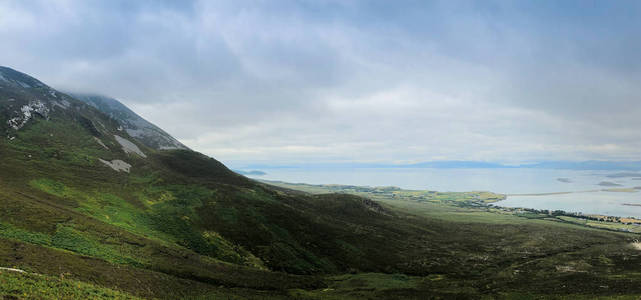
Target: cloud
(507, 81)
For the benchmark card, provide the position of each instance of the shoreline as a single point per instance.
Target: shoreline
(635, 219)
(555, 193)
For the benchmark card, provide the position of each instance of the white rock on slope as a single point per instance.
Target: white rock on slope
(101, 143)
(138, 128)
(117, 165)
(27, 113)
(64, 104)
(128, 146)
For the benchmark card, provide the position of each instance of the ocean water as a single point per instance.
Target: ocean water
(585, 190)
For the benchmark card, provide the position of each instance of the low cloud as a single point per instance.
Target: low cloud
(505, 81)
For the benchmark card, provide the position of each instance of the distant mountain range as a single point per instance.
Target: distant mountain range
(252, 172)
(587, 165)
(456, 164)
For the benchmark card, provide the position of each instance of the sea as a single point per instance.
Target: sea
(610, 193)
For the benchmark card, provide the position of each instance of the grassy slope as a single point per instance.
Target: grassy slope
(502, 255)
(18, 285)
(55, 195)
(182, 225)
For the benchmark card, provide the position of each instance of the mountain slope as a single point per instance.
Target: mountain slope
(71, 179)
(203, 206)
(137, 127)
(83, 200)
(58, 192)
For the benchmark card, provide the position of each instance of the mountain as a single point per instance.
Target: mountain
(455, 164)
(458, 165)
(81, 196)
(137, 127)
(252, 172)
(88, 210)
(588, 165)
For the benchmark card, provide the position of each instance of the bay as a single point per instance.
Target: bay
(588, 192)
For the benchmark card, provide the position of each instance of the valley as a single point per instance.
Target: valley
(158, 223)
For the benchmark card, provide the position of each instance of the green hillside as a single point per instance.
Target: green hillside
(88, 211)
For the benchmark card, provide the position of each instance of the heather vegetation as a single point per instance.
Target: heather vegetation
(179, 224)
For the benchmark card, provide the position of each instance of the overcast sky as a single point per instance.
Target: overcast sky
(365, 81)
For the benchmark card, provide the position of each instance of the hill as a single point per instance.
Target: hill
(144, 131)
(95, 210)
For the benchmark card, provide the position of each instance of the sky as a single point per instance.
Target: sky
(351, 81)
